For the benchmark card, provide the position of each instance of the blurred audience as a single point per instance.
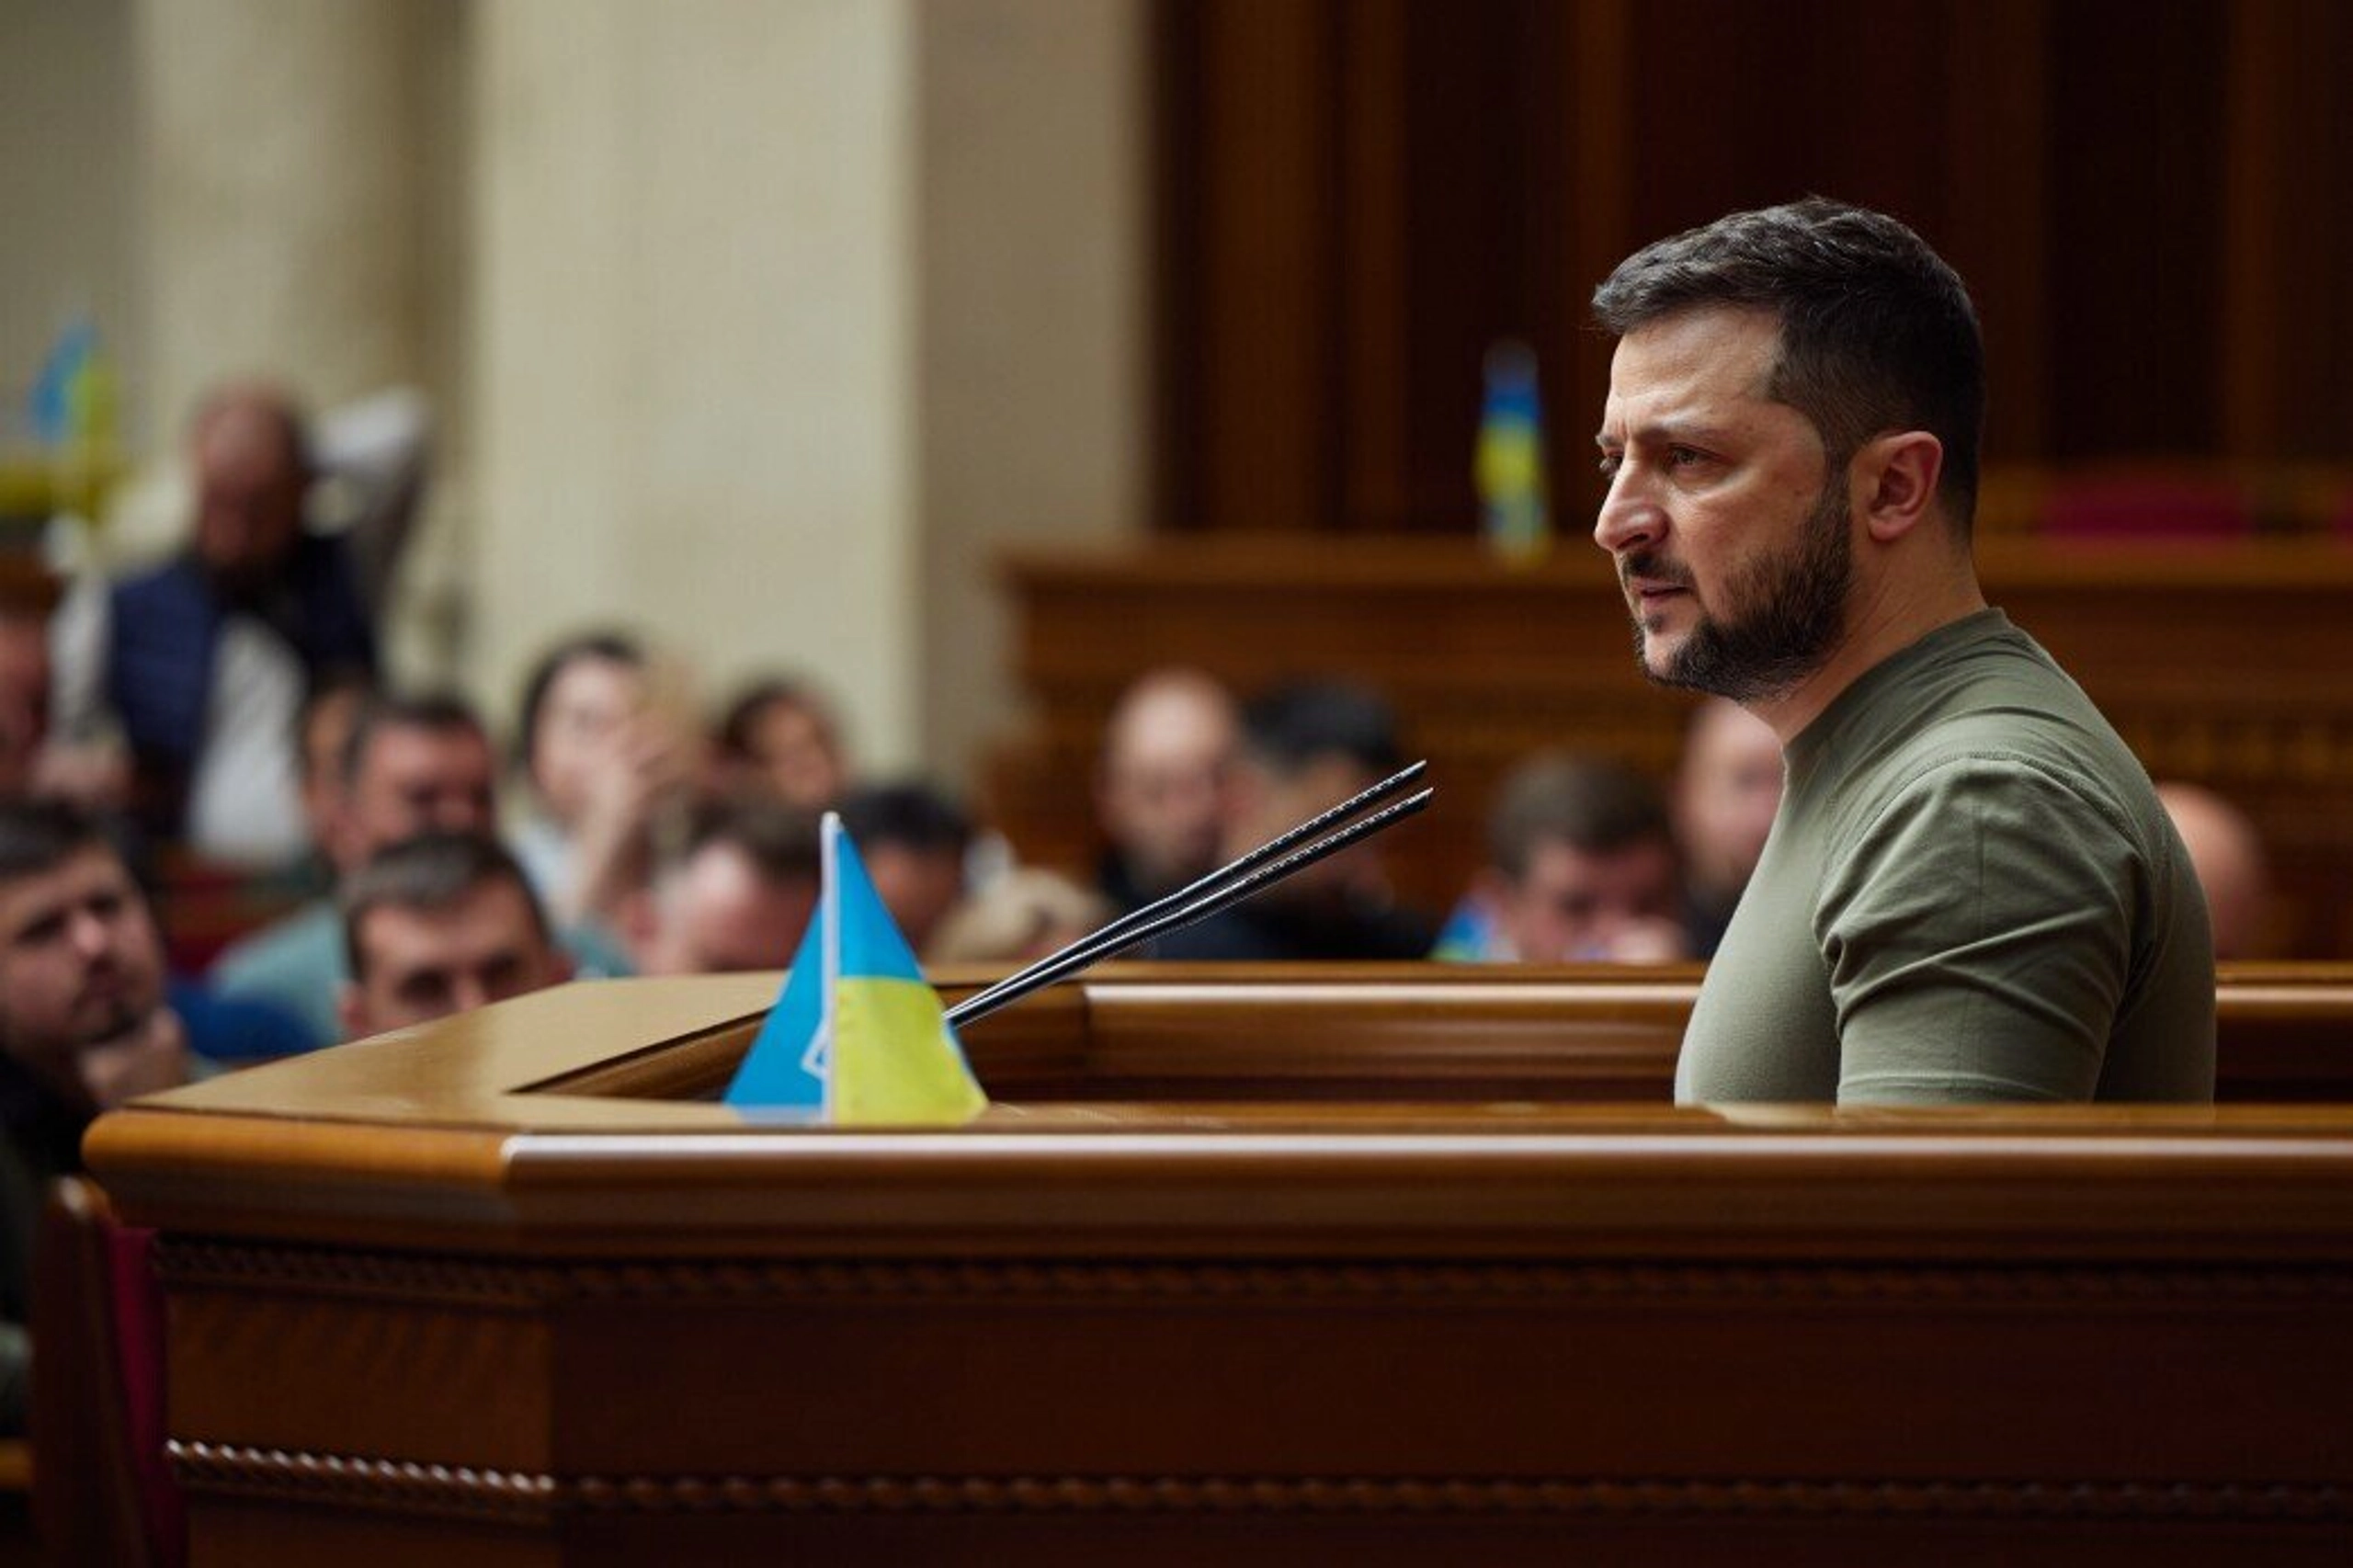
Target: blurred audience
(1582, 869)
(1306, 748)
(1726, 791)
(914, 841)
(2233, 869)
(605, 758)
(1158, 794)
(410, 764)
(84, 1025)
(1022, 916)
(440, 923)
(735, 894)
(781, 737)
(191, 672)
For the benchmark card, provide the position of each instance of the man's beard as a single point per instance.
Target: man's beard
(1790, 610)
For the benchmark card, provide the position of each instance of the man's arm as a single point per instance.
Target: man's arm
(1977, 932)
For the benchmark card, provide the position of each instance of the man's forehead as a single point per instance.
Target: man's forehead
(1691, 364)
(489, 917)
(92, 868)
(403, 749)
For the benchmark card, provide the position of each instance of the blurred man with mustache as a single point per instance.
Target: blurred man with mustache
(1971, 892)
(83, 1027)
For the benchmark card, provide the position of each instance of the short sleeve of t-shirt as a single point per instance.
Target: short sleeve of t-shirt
(1974, 930)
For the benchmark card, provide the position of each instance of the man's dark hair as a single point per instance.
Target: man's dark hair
(1591, 804)
(440, 711)
(1288, 730)
(605, 646)
(913, 816)
(742, 715)
(432, 871)
(1877, 333)
(37, 836)
(779, 841)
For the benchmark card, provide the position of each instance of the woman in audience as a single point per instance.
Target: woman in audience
(781, 737)
(605, 758)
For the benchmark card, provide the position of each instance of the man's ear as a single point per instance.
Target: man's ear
(350, 1011)
(1895, 482)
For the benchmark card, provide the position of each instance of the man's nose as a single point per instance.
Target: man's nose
(1627, 518)
(91, 933)
(468, 992)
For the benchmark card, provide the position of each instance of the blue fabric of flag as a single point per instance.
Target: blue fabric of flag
(782, 1074)
(859, 1036)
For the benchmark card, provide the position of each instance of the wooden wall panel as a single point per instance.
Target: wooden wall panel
(1359, 197)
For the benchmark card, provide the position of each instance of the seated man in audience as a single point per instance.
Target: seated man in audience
(1158, 795)
(200, 663)
(605, 760)
(1581, 868)
(1726, 791)
(83, 1027)
(781, 737)
(2227, 853)
(1305, 748)
(736, 894)
(440, 923)
(914, 841)
(411, 764)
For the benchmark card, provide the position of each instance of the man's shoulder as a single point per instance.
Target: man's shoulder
(306, 943)
(143, 583)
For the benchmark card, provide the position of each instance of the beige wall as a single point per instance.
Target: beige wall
(1034, 321)
(286, 195)
(693, 338)
(66, 211)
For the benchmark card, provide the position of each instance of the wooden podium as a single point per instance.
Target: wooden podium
(504, 1290)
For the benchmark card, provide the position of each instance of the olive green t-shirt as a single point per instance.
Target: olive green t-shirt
(1971, 894)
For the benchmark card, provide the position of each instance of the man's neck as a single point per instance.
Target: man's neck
(1883, 620)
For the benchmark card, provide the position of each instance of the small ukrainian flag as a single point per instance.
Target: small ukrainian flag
(1509, 465)
(857, 1038)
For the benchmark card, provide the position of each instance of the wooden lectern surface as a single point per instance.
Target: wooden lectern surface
(482, 1290)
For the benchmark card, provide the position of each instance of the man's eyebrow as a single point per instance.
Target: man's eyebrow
(1666, 432)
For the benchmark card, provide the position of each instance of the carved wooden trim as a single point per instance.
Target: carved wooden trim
(522, 1497)
(404, 1486)
(524, 1286)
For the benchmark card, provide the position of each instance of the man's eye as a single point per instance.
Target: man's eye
(1609, 464)
(1685, 457)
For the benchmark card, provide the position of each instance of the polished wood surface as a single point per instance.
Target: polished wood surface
(482, 1293)
(1488, 665)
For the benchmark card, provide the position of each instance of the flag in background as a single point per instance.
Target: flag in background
(1509, 465)
(857, 1038)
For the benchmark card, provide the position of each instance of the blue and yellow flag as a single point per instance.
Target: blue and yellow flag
(1509, 465)
(857, 1038)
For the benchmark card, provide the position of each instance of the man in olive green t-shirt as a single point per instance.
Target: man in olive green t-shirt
(1971, 892)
